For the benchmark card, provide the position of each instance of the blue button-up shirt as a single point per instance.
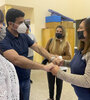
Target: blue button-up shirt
(20, 44)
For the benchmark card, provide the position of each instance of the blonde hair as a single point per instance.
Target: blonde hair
(58, 45)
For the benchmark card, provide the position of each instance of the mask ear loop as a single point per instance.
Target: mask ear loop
(13, 25)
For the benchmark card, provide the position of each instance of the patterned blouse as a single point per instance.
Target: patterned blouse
(9, 85)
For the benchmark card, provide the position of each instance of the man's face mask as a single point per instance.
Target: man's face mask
(22, 28)
(80, 35)
(59, 35)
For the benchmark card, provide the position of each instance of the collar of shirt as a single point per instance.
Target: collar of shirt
(10, 35)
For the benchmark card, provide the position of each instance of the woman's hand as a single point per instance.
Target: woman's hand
(55, 70)
(48, 67)
(58, 61)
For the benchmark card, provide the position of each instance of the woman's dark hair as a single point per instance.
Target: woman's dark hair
(1, 17)
(87, 28)
(82, 20)
(81, 43)
(12, 14)
(87, 25)
(86, 45)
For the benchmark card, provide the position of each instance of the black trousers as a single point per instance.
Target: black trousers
(51, 82)
(21, 96)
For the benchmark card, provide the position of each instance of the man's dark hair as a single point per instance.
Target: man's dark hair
(12, 14)
(1, 17)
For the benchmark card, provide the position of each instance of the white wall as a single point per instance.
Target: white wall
(2, 2)
(41, 10)
(81, 8)
(75, 9)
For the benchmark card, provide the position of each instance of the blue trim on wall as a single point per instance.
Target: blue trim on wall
(63, 18)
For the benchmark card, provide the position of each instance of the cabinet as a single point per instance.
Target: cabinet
(47, 33)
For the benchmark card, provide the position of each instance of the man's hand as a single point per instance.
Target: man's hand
(58, 61)
(55, 70)
(49, 67)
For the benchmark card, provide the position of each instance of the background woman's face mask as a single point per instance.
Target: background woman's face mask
(59, 35)
(80, 35)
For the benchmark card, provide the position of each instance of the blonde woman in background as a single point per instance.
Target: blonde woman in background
(60, 47)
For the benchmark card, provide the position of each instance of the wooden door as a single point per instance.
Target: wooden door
(70, 33)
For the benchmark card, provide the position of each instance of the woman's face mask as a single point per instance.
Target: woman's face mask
(81, 31)
(80, 35)
(59, 35)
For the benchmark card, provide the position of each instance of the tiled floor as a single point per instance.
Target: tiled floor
(39, 88)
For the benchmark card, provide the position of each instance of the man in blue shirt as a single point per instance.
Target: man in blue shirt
(15, 49)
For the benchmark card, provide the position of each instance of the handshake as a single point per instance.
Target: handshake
(53, 67)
